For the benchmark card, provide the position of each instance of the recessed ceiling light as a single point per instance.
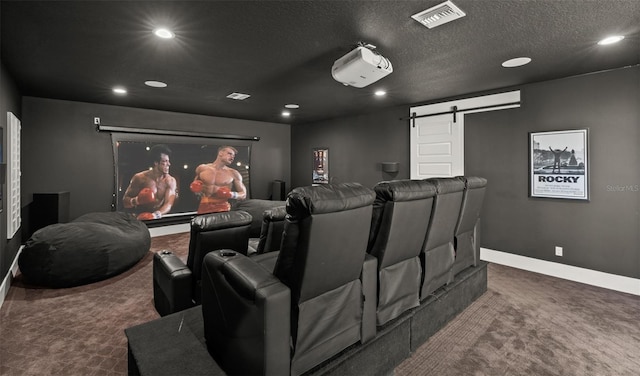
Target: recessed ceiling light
(164, 33)
(380, 93)
(517, 62)
(292, 105)
(286, 113)
(611, 40)
(155, 83)
(120, 90)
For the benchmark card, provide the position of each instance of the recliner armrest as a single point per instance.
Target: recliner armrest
(172, 283)
(246, 313)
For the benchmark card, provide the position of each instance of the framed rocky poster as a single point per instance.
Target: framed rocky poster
(558, 164)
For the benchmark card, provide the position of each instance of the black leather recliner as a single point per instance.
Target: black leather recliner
(176, 285)
(257, 208)
(401, 214)
(467, 243)
(319, 271)
(271, 231)
(438, 253)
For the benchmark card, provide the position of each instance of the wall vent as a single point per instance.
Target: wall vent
(438, 15)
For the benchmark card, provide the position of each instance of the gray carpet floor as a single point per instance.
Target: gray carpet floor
(525, 324)
(532, 324)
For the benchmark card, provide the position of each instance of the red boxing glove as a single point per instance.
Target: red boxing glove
(145, 196)
(148, 216)
(196, 186)
(224, 192)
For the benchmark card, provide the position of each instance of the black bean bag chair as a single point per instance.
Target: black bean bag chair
(91, 248)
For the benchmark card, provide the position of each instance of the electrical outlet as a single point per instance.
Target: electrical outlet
(96, 120)
(558, 251)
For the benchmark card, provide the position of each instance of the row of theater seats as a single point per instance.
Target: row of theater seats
(350, 260)
(423, 233)
(176, 284)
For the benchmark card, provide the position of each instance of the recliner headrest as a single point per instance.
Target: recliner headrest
(447, 185)
(216, 221)
(404, 190)
(305, 201)
(473, 182)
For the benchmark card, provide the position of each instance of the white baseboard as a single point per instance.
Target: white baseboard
(572, 273)
(168, 230)
(6, 282)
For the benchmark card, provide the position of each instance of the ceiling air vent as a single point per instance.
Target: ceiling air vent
(238, 96)
(438, 15)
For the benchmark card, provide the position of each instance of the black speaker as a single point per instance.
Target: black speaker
(49, 208)
(390, 167)
(278, 190)
(3, 172)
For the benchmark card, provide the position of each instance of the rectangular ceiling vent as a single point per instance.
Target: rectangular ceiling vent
(238, 96)
(438, 15)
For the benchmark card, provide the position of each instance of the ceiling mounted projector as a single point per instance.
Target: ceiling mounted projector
(361, 67)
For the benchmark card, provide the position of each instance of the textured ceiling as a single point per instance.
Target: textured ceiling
(281, 52)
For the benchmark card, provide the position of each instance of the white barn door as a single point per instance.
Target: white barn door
(437, 147)
(437, 134)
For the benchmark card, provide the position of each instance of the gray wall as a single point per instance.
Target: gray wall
(62, 151)
(602, 234)
(9, 101)
(357, 146)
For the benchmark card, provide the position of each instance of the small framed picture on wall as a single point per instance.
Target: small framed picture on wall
(559, 165)
(320, 166)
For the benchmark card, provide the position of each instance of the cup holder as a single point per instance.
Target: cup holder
(227, 253)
